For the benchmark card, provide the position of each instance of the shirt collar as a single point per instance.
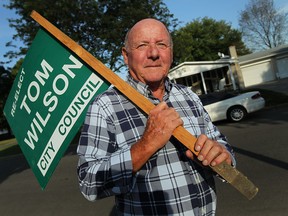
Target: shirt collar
(145, 90)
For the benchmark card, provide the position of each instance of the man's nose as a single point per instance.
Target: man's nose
(153, 51)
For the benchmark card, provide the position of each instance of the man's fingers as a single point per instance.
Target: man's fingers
(224, 156)
(200, 142)
(189, 154)
(161, 106)
(162, 112)
(211, 152)
(216, 155)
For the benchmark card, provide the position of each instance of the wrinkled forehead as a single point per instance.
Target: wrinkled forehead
(148, 29)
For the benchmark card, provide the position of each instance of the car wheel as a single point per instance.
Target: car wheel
(236, 113)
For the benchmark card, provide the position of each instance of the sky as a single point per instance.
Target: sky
(184, 10)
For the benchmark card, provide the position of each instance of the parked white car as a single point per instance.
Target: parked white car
(221, 106)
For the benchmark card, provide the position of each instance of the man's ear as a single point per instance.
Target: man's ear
(125, 55)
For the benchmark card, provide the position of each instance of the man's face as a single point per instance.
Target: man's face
(149, 52)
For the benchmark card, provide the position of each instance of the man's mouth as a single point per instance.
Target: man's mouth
(149, 66)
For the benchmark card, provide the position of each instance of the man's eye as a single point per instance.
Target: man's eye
(145, 46)
(142, 46)
(162, 46)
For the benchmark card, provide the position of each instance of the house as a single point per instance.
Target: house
(204, 76)
(264, 66)
(233, 72)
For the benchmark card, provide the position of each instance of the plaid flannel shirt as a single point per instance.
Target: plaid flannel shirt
(169, 183)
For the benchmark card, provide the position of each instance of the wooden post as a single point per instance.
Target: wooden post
(236, 70)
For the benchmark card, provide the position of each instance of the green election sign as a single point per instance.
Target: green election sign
(48, 101)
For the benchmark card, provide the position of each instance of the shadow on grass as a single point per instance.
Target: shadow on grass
(13, 150)
(12, 161)
(12, 165)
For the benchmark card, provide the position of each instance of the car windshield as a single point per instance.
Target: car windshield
(215, 97)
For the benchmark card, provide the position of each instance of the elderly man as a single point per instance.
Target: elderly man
(132, 156)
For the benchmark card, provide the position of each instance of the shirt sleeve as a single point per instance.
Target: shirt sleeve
(104, 168)
(213, 132)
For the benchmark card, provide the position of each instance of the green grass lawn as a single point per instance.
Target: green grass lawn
(9, 147)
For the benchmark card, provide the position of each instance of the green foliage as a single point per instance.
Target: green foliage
(201, 40)
(6, 81)
(16, 68)
(99, 26)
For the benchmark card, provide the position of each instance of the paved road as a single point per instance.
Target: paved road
(261, 147)
(21, 195)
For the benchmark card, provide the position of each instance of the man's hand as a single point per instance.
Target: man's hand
(210, 152)
(160, 125)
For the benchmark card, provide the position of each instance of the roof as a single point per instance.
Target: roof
(196, 67)
(280, 50)
(190, 68)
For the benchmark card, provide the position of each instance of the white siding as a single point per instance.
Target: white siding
(282, 65)
(257, 73)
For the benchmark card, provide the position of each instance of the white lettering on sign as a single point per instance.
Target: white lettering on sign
(32, 134)
(68, 120)
(60, 85)
(47, 156)
(33, 96)
(78, 105)
(17, 92)
(77, 64)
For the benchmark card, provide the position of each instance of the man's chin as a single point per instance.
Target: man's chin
(154, 80)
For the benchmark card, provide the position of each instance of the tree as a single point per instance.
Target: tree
(201, 40)
(98, 25)
(263, 26)
(6, 81)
